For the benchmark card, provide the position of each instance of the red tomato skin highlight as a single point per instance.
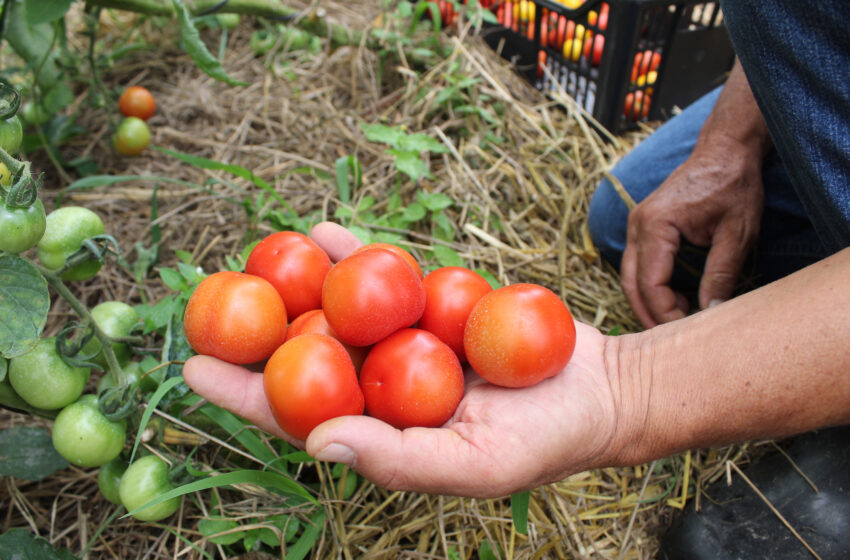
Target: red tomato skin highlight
(295, 266)
(235, 317)
(408, 258)
(450, 294)
(314, 321)
(308, 380)
(137, 101)
(368, 296)
(410, 379)
(519, 335)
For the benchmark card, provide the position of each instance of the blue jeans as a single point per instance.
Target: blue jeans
(804, 94)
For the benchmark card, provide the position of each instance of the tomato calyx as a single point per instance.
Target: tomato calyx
(11, 98)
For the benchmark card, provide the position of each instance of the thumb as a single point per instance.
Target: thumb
(723, 266)
(431, 460)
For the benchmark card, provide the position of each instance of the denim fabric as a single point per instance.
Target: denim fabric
(803, 89)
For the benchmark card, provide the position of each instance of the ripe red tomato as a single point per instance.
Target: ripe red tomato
(314, 321)
(308, 380)
(368, 296)
(596, 45)
(412, 379)
(408, 258)
(636, 105)
(295, 266)
(235, 317)
(450, 294)
(646, 61)
(518, 335)
(137, 101)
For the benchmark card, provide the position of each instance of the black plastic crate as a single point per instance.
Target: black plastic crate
(644, 59)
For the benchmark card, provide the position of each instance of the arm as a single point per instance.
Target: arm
(769, 363)
(714, 200)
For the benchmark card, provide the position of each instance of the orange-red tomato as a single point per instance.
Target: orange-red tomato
(450, 294)
(137, 101)
(368, 296)
(412, 379)
(295, 266)
(314, 321)
(646, 61)
(519, 335)
(409, 259)
(235, 317)
(636, 105)
(308, 380)
(598, 45)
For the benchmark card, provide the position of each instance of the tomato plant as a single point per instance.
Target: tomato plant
(66, 230)
(295, 266)
(116, 319)
(145, 480)
(21, 228)
(518, 335)
(369, 295)
(135, 377)
(236, 317)
(314, 321)
(85, 437)
(137, 101)
(109, 478)
(228, 21)
(43, 379)
(412, 379)
(408, 258)
(450, 294)
(308, 380)
(132, 136)
(11, 134)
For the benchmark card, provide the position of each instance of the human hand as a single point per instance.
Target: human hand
(714, 200)
(498, 442)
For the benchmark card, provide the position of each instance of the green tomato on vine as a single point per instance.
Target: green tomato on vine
(43, 379)
(66, 230)
(85, 437)
(116, 319)
(145, 480)
(21, 228)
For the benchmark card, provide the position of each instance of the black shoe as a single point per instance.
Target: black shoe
(740, 526)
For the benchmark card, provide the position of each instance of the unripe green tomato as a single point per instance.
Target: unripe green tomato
(11, 134)
(136, 377)
(262, 42)
(21, 228)
(116, 319)
(145, 480)
(109, 478)
(132, 136)
(34, 113)
(228, 21)
(44, 380)
(66, 230)
(85, 437)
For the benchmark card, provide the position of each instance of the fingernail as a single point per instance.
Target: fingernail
(714, 302)
(337, 453)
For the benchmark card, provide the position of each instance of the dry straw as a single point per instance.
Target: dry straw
(305, 111)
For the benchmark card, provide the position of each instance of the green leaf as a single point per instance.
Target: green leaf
(410, 164)
(312, 531)
(209, 527)
(4, 366)
(347, 166)
(191, 273)
(43, 11)
(24, 302)
(487, 552)
(434, 201)
(158, 316)
(172, 279)
(146, 415)
(519, 511)
(28, 453)
(414, 213)
(447, 256)
(391, 135)
(422, 143)
(20, 544)
(196, 48)
(487, 275)
(95, 181)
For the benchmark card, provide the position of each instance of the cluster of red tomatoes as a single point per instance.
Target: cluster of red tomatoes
(133, 135)
(373, 333)
(644, 75)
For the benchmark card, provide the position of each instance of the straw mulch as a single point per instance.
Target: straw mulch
(306, 110)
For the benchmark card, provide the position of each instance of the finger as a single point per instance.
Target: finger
(337, 241)
(431, 460)
(723, 265)
(628, 279)
(655, 260)
(233, 388)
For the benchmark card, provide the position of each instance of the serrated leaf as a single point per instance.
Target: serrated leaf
(196, 48)
(44, 11)
(421, 143)
(24, 303)
(28, 453)
(447, 256)
(391, 135)
(209, 527)
(20, 544)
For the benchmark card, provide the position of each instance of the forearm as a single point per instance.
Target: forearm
(770, 363)
(736, 119)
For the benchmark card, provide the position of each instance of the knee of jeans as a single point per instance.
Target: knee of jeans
(607, 221)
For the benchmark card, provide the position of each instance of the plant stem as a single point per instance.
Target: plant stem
(83, 313)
